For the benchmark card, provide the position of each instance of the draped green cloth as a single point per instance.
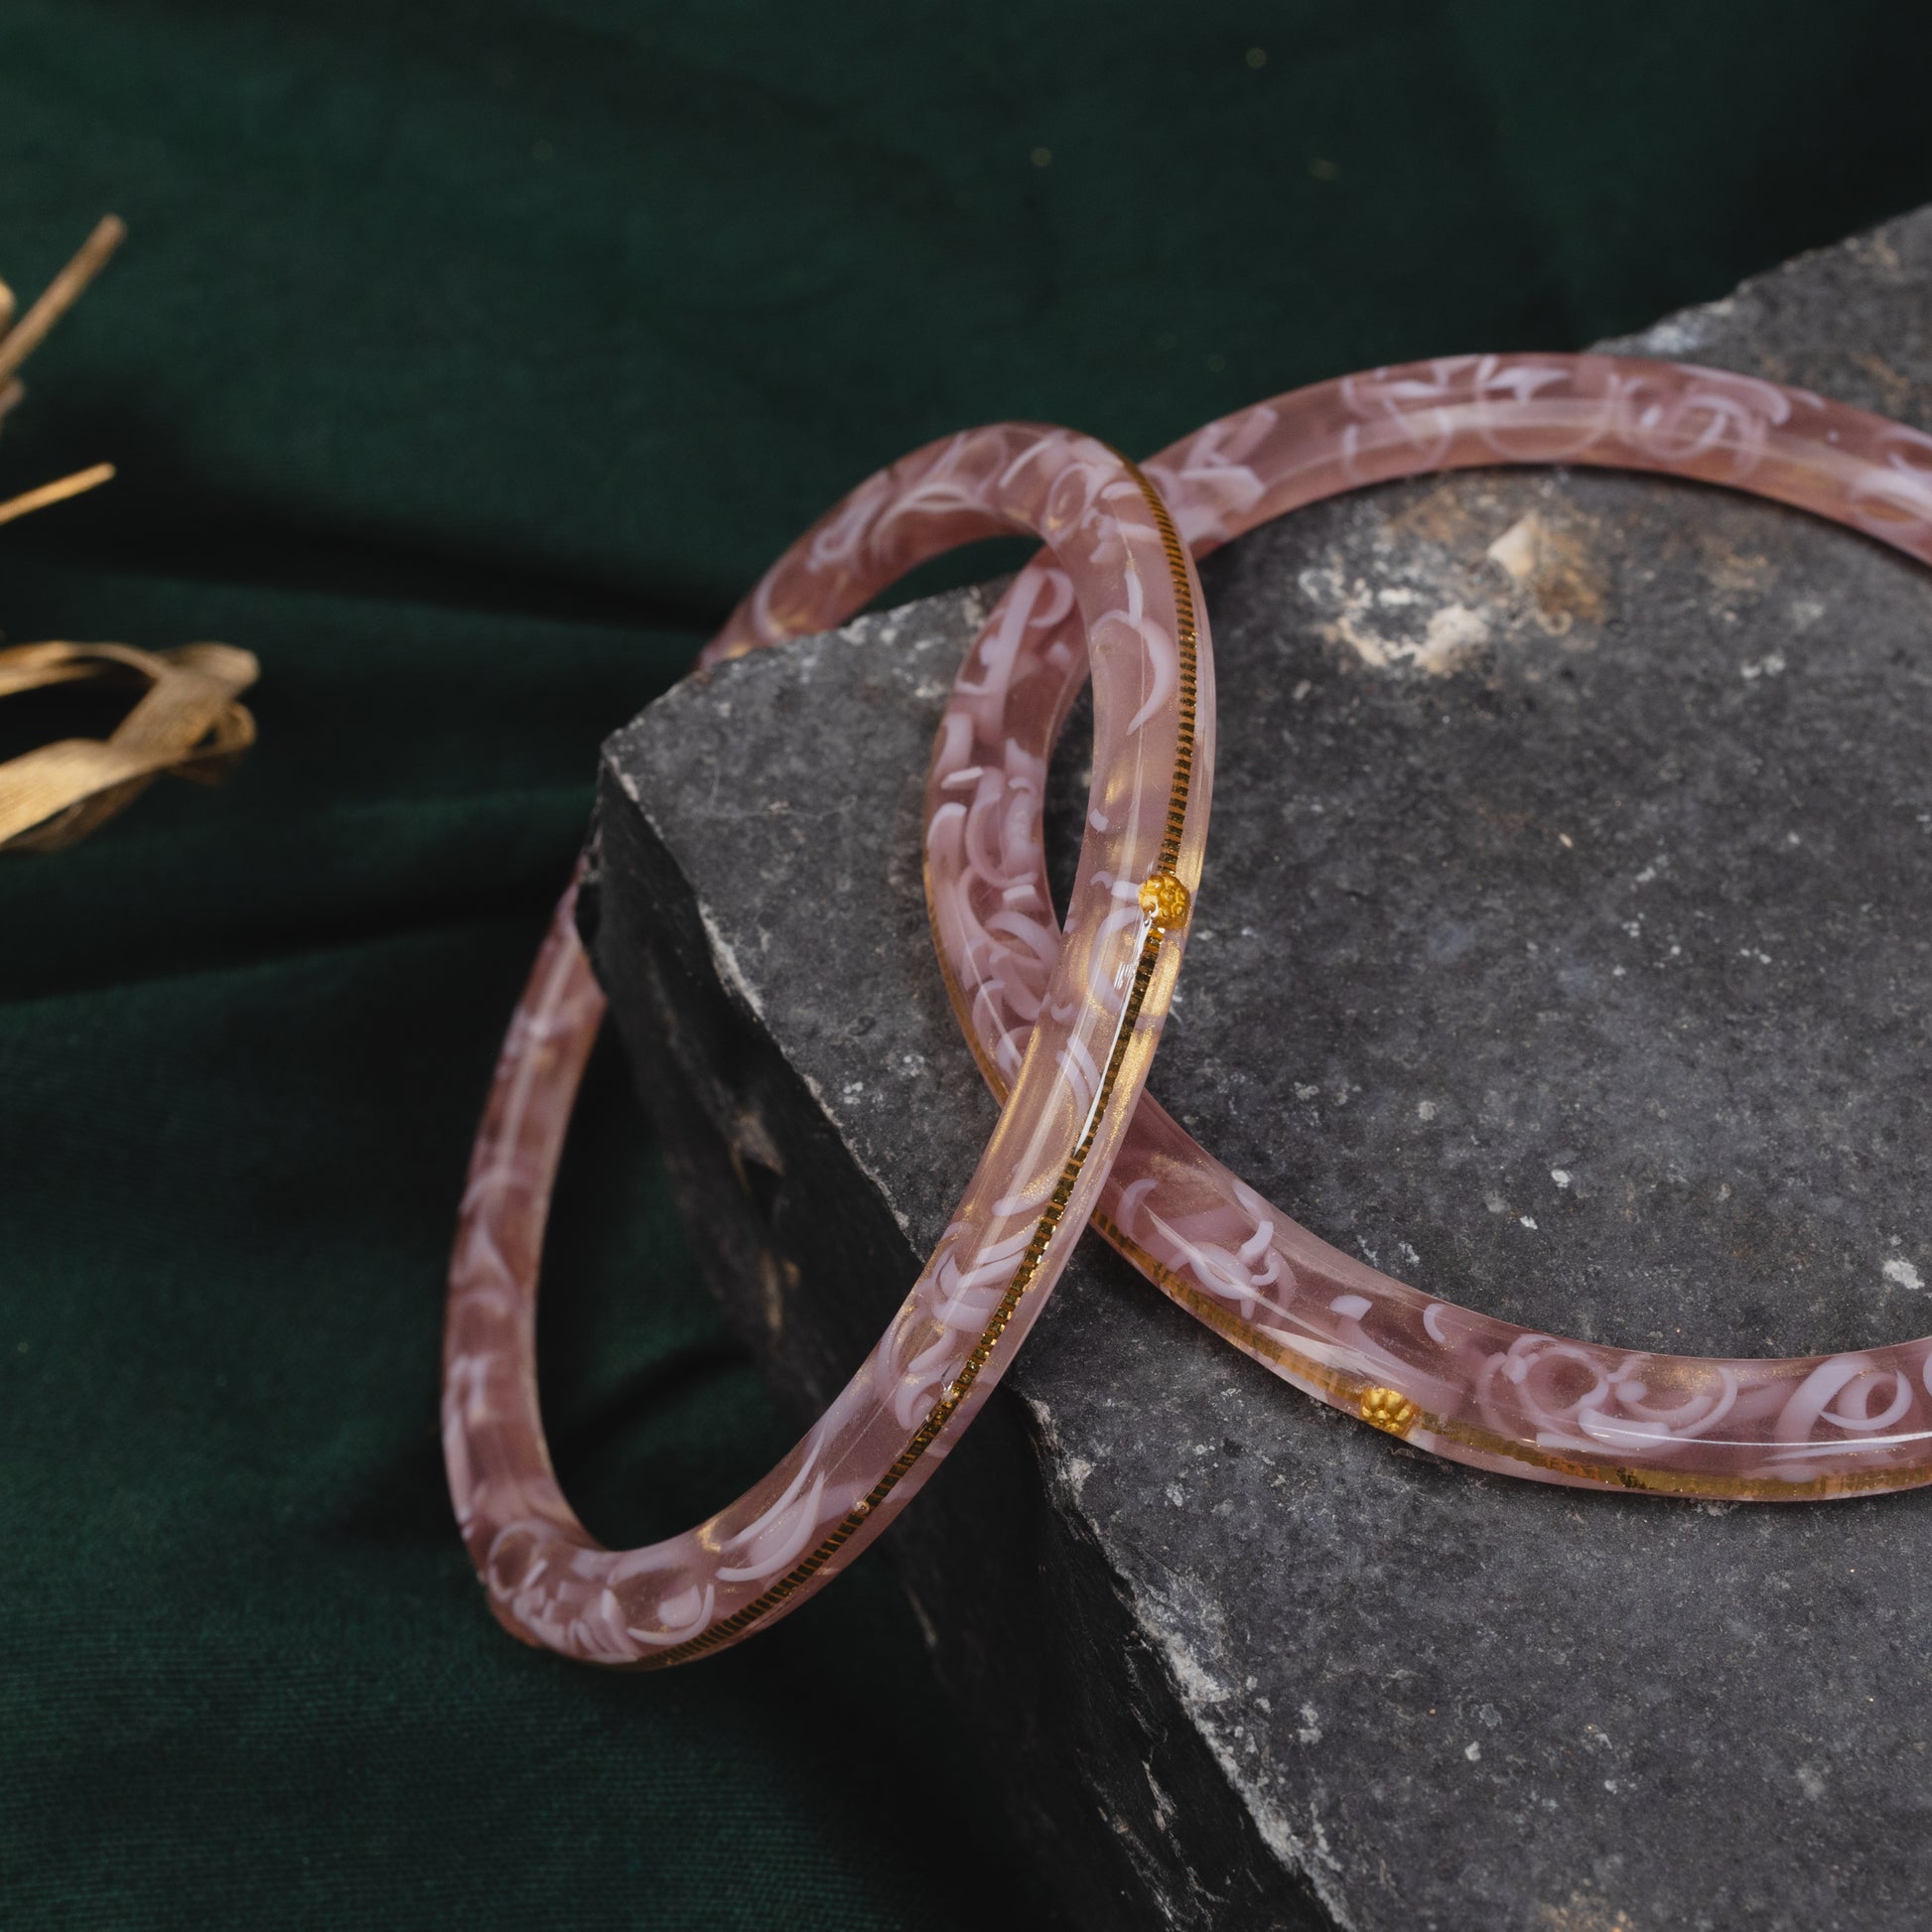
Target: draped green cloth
(466, 363)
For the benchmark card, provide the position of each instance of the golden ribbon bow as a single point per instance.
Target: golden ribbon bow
(186, 722)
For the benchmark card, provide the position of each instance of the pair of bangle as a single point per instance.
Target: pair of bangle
(1064, 1024)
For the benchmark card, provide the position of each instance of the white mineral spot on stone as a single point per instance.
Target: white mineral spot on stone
(1176, 1495)
(1806, 610)
(1519, 547)
(1680, 334)
(927, 1632)
(1163, 1806)
(1495, 1204)
(1560, 1176)
(1473, 1750)
(1452, 633)
(1902, 1274)
(1311, 1730)
(1528, 1221)
(1769, 665)
(726, 961)
(1302, 689)
(1424, 1110)
(1810, 1782)
(1197, 1684)
(1302, 1092)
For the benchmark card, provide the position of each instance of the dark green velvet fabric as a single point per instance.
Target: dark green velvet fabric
(466, 363)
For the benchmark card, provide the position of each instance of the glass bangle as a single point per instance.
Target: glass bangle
(1125, 573)
(1468, 1386)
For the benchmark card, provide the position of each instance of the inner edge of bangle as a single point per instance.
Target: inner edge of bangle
(956, 1392)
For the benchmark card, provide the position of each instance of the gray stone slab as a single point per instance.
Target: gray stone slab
(1632, 887)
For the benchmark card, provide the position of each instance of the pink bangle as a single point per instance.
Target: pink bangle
(1462, 1384)
(1120, 564)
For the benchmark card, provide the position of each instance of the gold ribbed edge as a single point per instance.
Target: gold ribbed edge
(957, 1391)
(1188, 631)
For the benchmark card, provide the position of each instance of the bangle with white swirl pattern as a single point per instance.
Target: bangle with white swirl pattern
(1119, 592)
(1462, 1384)
(1127, 573)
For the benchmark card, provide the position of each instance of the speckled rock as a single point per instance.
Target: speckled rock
(1564, 948)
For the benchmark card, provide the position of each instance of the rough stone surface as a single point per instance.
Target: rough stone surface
(1620, 872)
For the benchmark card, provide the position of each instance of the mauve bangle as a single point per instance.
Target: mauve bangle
(1133, 584)
(1462, 1384)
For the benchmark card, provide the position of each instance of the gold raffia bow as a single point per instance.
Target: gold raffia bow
(186, 722)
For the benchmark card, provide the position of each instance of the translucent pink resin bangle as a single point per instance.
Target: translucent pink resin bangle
(1120, 564)
(1461, 1384)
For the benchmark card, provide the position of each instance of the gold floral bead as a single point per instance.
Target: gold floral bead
(1388, 1409)
(1166, 900)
